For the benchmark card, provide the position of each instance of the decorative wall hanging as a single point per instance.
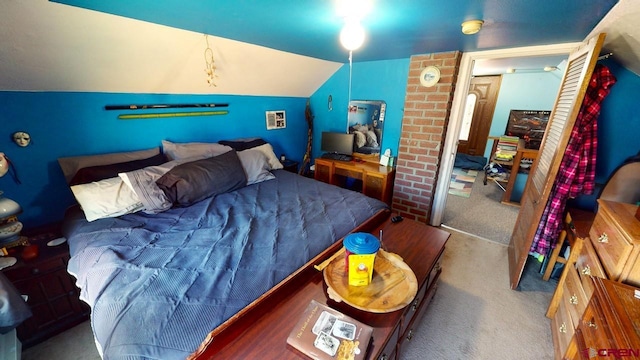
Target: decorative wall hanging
(21, 138)
(168, 115)
(162, 106)
(211, 68)
(430, 76)
(276, 120)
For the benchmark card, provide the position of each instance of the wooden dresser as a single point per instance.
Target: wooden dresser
(52, 294)
(611, 251)
(374, 180)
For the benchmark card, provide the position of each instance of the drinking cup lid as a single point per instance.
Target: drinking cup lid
(361, 243)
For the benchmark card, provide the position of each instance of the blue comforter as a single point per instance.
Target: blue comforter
(158, 284)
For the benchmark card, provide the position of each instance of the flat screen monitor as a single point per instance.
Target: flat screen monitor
(339, 143)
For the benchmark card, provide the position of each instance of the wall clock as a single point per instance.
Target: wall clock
(429, 76)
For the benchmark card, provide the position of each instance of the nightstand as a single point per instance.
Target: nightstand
(290, 165)
(52, 294)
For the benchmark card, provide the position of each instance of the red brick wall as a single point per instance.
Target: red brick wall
(424, 125)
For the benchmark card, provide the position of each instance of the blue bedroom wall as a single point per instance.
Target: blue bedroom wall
(373, 80)
(532, 91)
(69, 124)
(618, 129)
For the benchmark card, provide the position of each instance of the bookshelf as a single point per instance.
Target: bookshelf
(512, 167)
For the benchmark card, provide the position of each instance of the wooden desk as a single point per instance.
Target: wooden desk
(512, 166)
(377, 180)
(262, 332)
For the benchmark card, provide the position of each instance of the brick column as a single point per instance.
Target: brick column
(424, 125)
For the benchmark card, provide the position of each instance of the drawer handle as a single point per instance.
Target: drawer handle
(384, 357)
(410, 335)
(573, 300)
(563, 328)
(603, 239)
(592, 324)
(586, 270)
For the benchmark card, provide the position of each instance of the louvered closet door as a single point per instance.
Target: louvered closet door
(574, 84)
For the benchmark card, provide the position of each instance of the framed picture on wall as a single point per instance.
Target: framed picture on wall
(529, 125)
(276, 119)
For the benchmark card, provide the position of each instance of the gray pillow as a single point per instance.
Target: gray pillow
(256, 166)
(194, 181)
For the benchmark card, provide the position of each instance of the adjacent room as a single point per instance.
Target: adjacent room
(347, 179)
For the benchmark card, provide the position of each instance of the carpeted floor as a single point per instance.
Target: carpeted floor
(482, 213)
(473, 315)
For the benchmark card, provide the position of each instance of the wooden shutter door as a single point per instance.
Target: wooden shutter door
(573, 87)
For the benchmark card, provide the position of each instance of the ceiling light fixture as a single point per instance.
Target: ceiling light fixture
(550, 68)
(471, 27)
(352, 35)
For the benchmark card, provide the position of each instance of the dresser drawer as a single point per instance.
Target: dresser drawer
(588, 265)
(561, 330)
(611, 244)
(594, 327)
(573, 296)
(28, 270)
(411, 310)
(389, 351)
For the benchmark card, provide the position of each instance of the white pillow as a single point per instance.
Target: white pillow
(106, 198)
(143, 183)
(274, 163)
(255, 165)
(178, 151)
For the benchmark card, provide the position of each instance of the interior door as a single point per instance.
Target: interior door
(485, 91)
(574, 83)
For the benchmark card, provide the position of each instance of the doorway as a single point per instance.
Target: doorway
(488, 213)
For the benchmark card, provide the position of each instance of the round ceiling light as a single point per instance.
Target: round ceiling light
(352, 35)
(471, 26)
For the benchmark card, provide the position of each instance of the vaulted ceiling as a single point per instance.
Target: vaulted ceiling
(274, 47)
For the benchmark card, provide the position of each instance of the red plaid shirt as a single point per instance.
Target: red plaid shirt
(577, 171)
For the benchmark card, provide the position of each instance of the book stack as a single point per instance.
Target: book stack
(507, 148)
(325, 333)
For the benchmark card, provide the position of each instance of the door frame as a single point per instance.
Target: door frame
(457, 111)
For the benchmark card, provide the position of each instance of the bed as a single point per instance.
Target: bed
(158, 282)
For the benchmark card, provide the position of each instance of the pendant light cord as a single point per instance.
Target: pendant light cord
(349, 95)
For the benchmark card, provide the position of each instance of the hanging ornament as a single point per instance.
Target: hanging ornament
(211, 68)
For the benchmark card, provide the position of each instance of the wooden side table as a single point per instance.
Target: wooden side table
(51, 291)
(290, 165)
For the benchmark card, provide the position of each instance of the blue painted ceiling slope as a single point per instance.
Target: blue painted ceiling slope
(394, 28)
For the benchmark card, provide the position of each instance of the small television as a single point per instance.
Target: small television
(337, 143)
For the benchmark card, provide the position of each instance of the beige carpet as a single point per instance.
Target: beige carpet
(481, 213)
(474, 314)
